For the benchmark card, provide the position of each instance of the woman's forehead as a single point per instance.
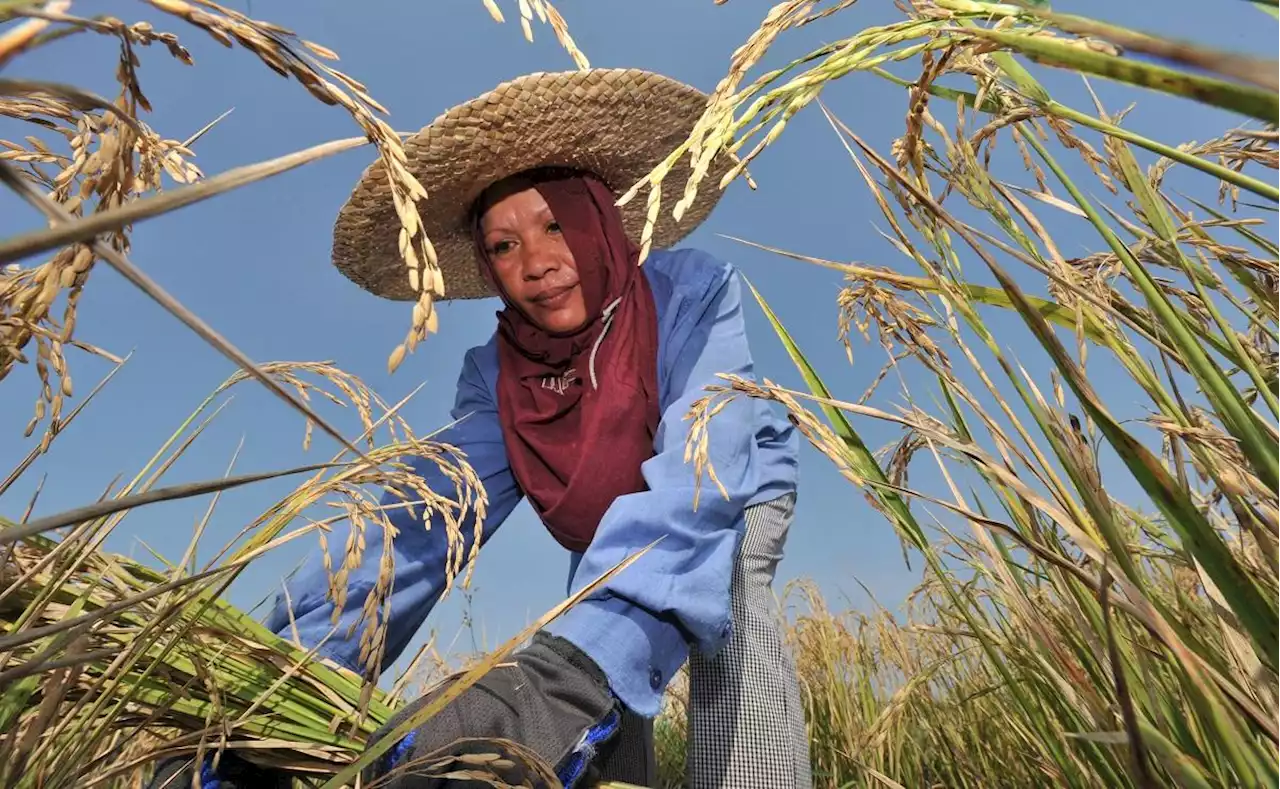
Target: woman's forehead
(499, 191)
(516, 205)
(521, 182)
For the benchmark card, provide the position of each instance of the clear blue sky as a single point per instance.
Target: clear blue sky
(255, 263)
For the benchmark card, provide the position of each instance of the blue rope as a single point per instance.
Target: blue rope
(208, 778)
(401, 750)
(585, 752)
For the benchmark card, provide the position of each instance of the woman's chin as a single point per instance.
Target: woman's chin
(560, 319)
(561, 323)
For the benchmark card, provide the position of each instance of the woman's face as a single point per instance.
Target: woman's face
(532, 261)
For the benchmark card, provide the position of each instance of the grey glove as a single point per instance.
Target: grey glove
(551, 699)
(232, 772)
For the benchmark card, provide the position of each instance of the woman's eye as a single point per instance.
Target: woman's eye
(500, 247)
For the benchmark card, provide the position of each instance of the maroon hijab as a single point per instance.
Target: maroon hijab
(575, 446)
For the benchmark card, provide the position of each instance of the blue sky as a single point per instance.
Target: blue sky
(254, 263)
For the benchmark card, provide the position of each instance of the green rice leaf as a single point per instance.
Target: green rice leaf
(1245, 99)
(858, 455)
(1158, 217)
(1267, 7)
(1239, 419)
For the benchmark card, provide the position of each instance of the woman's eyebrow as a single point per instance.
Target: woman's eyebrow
(499, 226)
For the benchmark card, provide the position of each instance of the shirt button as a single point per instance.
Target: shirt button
(655, 679)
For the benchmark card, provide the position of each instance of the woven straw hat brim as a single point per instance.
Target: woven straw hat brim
(616, 123)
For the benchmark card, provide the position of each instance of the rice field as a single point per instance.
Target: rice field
(1099, 595)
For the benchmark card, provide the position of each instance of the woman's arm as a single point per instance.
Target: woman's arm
(419, 553)
(639, 627)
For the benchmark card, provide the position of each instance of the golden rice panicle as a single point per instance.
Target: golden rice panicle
(1072, 624)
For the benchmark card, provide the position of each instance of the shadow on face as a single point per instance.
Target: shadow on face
(530, 258)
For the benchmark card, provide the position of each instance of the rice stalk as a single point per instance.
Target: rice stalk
(770, 101)
(114, 159)
(140, 635)
(1083, 633)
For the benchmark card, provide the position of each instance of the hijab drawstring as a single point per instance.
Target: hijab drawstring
(608, 321)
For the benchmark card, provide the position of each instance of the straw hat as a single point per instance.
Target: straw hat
(616, 123)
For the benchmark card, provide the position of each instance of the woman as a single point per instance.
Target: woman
(578, 404)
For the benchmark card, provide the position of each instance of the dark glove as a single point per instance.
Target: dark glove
(550, 699)
(232, 772)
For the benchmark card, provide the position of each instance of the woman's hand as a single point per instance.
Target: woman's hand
(550, 699)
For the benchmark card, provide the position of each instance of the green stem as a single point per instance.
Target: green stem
(1056, 108)
(1244, 99)
(1259, 188)
(1216, 387)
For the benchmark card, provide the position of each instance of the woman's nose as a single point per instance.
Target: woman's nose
(539, 259)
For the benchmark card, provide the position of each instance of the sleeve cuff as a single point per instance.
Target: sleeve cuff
(638, 652)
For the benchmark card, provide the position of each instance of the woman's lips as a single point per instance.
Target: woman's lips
(554, 297)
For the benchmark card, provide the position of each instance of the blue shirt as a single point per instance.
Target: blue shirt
(640, 625)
